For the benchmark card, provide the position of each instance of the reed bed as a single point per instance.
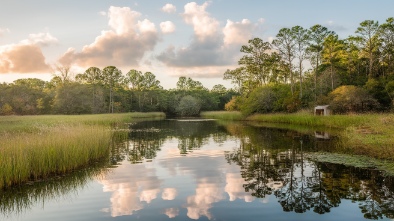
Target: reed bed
(222, 115)
(36, 147)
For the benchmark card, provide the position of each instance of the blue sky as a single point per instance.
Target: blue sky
(199, 39)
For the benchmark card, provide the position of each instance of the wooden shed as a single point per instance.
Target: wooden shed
(322, 110)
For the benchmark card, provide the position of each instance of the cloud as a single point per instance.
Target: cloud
(238, 32)
(212, 47)
(3, 31)
(203, 24)
(234, 188)
(130, 188)
(169, 8)
(335, 27)
(103, 13)
(42, 39)
(125, 44)
(169, 194)
(26, 56)
(167, 27)
(172, 212)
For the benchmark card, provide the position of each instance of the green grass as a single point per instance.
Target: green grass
(222, 115)
(36, 147)
(361, 134)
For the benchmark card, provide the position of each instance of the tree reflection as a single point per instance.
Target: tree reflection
(301, 184)
(18, 199)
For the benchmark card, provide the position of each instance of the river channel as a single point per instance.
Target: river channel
(197, 169)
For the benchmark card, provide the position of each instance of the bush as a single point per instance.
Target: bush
(350, 98)
(261, 100)
(188, 106)
(232, 105)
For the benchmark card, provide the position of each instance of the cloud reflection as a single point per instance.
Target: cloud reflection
(172, 212)
(234, 188)
(130, 187)
(169, 194)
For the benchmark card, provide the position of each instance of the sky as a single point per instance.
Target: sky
(170, 38)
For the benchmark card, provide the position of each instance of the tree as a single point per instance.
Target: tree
(188, 106)
(301, 39)
(286, 47)
(93, 76)
(256, 61)
(112, 78)
(386, 34)
(317, 35)
(333, 54)
(367, 35)
(350, 98)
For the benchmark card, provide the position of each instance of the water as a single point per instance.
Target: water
(205, 170)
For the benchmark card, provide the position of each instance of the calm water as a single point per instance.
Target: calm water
(204, 170)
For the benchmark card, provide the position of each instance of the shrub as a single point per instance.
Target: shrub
(188, 106)
(232, 105)
(350, 98)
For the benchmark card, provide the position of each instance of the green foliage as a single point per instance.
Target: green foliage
(346, 99)
(6, 109)
(233, 104)
(188, 106)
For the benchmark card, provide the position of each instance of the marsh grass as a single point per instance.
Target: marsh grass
(361, 134)
(222, 115)
(37, 147)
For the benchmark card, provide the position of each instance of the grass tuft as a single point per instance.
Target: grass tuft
(36, 147)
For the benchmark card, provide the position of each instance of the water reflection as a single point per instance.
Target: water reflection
(208, 170)
(301, 185)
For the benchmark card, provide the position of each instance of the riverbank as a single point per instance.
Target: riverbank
(364, 134)
(35, 147)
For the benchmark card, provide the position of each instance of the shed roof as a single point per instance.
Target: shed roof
(322, 106)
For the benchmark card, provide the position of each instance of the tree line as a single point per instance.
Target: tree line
(305, 67)
(300, 68)
(108, 91)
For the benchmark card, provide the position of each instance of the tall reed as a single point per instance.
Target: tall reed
(35, 147)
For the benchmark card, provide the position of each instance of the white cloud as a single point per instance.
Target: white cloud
(3, 31)
(103, 13)
(238, 32)
(169, 194)
(169, 8)
(124, 45)
(234, 188)
(172, 212)
(212, 49)
(167, 27)
(204, 25)
(42, 39)
(26, 56)
(261, 20)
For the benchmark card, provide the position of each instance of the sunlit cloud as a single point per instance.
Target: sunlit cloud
(238, 32)
(172, 212)
(234, 188)
(167, 27)
(130, 188)
(4, 31)
(26, 56)
(169, 8)
(199, 204)
(203, 24)
(212, 50)
(124, 44)
(41, 39)
(169, 194)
